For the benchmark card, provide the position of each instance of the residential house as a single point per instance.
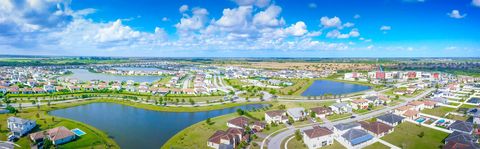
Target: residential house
(258, 126)
(60, 135)
(340, 108)
(417, 105)
(461, 126)
(475, 113)
(428, 104)
(225, 139)
(19, 126)
(239, 122)
(391, 119)
(360, 104)
(402, 109)
(458, 145)
(411, 114)
(356, 138)
(375, 100)
(440, 100)
(277, 116)
(378, 129)
(49, 88)
(340, 129)
(317, 137)
(321, 112)
(460, 137)
(296, 113)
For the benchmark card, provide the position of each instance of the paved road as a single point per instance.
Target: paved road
(276, 141)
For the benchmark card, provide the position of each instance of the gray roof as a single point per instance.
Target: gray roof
(345, 126)
(296, 112)
(391, 118)
(461, 126)
(225, 146)
(18, 120)
(372, 98)
(357, 136)
(474, 112)
(339, 105)
(459, 137)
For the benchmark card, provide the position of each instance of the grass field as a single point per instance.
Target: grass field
(438, 111)
(377, 145)
(406, 136)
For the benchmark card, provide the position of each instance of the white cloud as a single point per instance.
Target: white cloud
(456, 14)
(183, 8)
(297, 29)
(164, 19)
(385, 28)
(337, 34)
(476, 3)
(348, 24)
(356, 16)
(268, 18)
(312, 5)
(235, 18)
(116, 31)
(330, 22)
(195, 22)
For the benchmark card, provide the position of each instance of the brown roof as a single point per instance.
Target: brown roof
(321, 110)
(360, 101)
(37, 136)
(415, 103)
(58, 133)
(410, 113)
(275, 113)
(317, 131)
(376, 127)
(239, 121)
(429, 102)
(215, 138)
(403, 108)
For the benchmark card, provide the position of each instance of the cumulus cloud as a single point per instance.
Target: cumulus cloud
(356, 16)
(312, 5)
(115, 32)
(338, 35)
(456, 14)
(183, 8)
(297, 29)
(194, 22)
(269, 17)
(235, 18)
(330, 22)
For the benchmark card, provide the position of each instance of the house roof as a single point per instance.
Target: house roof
(18, 120)
(321, 110)
(217, 136)
(360, 101)
(58, 133)
(415, 103)
(459, 137)
(345, 126)
(403, 108)
(429, 103)
(410, 113)
(275, 113)
(458, 145)
(391, 118)
(462, 126)
(37, 136)
(376, 127)
(239, 121)
(357, 136)
(295, 112)
(317, 131)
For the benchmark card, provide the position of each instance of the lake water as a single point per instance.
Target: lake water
(322, 87)
(145, 69)
(135, 128)
(85, 75)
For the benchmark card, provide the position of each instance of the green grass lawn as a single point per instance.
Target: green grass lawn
(406, 136)
(456, 117)
(294, 144)
(467, 106)
(335, 145)
(438, 111)
(453, 103)
(339, 116)
(377, 145)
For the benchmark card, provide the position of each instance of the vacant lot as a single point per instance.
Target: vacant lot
(406, 135)
(438, 111)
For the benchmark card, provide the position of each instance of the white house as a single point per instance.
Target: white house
(296, 113)
(277, 116)
(340, 108)
(317, 137)
(19, 126)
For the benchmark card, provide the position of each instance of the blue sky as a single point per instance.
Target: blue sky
(241, 28)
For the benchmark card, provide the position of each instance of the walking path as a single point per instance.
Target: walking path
(387, 144)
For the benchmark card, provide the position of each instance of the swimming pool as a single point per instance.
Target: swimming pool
(78, 132)
(420, 119)
(440, 121)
